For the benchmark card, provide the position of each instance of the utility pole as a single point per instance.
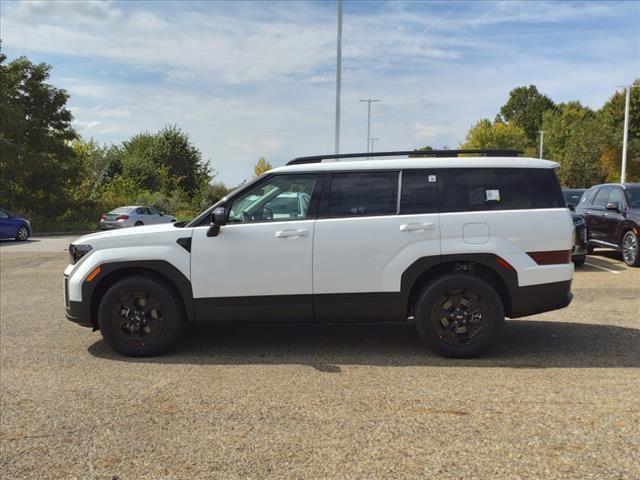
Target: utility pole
(623, 173)
(541, 142)
(369, 102)
(373, 139)
(338, 76)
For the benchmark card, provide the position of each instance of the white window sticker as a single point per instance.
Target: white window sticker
(432, 178)
(492, 195)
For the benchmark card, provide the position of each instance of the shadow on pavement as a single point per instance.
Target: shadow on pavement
(525, 344)
(7, 242)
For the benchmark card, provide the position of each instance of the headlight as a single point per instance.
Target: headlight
(76, 252)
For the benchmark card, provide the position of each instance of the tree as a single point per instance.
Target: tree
(525, 109)
(37, 162)
(497, 135)
(261, 167)
(611, 119)
(575, 139)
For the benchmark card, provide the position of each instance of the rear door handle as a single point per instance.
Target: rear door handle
(412, 227)
(291, 233)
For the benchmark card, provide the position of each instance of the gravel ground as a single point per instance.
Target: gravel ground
(560, 398)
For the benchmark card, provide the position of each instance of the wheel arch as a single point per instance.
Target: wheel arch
(484, 266)
(626, 226)
(113, 272)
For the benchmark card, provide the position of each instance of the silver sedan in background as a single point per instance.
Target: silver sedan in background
(133, 216)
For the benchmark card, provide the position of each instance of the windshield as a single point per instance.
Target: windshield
(633, 196)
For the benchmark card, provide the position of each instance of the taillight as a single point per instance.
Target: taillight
(122, 217)
(103, 217)
(553, 257)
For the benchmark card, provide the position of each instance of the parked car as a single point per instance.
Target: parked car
(14, 226)
(572, 196)
(454, 244)
(579, 251)
(134, 216)
(612, 213)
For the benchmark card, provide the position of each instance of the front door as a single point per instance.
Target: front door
(259, 266)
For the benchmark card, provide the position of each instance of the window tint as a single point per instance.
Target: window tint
(142, 211)
(602, 197)
(363, 194)
(469, 189)
(419, 192)
(588, 196)
(633, 197)
(279, 198)
(616, 196)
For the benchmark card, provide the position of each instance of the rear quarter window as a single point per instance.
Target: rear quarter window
(473, 189)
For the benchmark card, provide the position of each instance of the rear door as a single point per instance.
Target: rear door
(364, 241)
(6, 228)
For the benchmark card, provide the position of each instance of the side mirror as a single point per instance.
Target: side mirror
(218, 219)
(613, 206)
(571, 207)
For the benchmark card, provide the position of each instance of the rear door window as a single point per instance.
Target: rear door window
(361, 194)
(419, 192)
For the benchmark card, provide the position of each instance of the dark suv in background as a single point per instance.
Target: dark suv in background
(612, 213)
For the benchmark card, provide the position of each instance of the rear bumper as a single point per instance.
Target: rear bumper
(541, 298)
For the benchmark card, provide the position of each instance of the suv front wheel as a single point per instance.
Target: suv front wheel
(459, 315)
(140, 316)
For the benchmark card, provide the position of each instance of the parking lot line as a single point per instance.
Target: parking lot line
(601, 268)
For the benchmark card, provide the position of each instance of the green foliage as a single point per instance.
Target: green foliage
(261, 167)
(38, 165)
(525, 108)
(574, 139)
(498, 135)
(611, 119)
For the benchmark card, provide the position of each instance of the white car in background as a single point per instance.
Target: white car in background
(133, 216)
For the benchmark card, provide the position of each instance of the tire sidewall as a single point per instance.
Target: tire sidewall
(22, 229)
(434, 289)
(174, 316)
(635, 263)
(579, 260)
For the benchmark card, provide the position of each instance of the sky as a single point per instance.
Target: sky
(251, 79)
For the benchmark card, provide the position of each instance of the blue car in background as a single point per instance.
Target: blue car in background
(12, 226)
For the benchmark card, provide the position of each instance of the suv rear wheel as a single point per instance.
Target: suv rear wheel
(459, 315)
(140, 316)
(630, 249)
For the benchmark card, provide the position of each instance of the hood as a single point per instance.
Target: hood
(134, 236)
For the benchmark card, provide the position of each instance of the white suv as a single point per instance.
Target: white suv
(454, 243)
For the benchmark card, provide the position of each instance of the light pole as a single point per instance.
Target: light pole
(541, 142)
(338, 75)
(369, 102)
(373, 139)
(627, 100)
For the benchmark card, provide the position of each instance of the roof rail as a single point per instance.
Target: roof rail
(411, 153)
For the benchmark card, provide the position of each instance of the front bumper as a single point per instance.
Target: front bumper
(74, 311)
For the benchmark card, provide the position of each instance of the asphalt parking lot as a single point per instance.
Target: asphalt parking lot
(559, 398)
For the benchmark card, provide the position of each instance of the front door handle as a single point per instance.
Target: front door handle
(291, 233)
(413, 227)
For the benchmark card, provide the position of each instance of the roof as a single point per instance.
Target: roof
(423, 162)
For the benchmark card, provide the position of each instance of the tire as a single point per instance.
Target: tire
(22, 234)
(138, 224)
(631, 249)
(578, 260)
(480, 297)
(138, 328)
